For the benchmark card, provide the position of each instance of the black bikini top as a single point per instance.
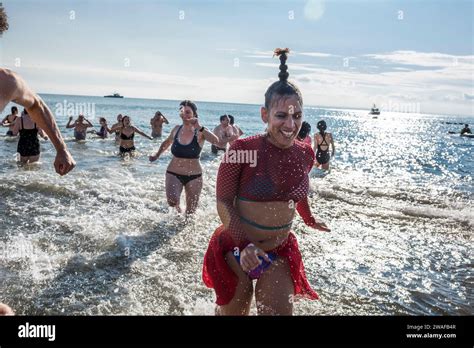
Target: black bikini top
(125, 137)
(191, 150)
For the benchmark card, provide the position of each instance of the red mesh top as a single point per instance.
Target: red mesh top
(279, 175)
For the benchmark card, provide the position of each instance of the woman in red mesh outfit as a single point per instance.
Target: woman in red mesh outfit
(256, 201)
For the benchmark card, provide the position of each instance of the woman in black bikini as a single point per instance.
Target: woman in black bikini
(127, 133)
(321, 146)
(28, 144)
(185, 170)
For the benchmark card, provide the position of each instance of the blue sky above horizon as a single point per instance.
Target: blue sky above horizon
(405, 55)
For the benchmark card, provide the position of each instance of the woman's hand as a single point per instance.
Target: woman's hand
(5, 310)
(319, 225)
(153, 158)
(195, 123)
(249, 257)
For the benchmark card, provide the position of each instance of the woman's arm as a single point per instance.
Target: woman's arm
(142, 133)
(16, 127)
(5, 122)
(164, 145)
(42, 134)
(115, 127)
(69, 123)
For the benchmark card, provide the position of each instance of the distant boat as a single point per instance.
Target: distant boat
(115, 95)
(374, 111)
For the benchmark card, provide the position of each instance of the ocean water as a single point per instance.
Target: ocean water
(102, 241)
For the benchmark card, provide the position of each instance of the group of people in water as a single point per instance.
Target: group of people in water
(256, 202)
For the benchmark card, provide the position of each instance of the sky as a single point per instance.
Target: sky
(409, 56)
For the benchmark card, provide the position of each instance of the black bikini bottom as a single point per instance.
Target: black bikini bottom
(185, 178)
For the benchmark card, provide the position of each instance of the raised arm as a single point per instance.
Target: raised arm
(164, 145)
(90, 124)
(69, 125)
(165, 119)
(14, 88)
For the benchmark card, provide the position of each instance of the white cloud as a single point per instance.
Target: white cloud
(314, 9)
(318, 54)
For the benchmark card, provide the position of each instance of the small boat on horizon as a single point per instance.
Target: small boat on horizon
(374, 111)
(115, 95)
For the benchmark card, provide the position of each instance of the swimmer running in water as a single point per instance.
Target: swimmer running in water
(28, 144)
(184, 170)
(321, 146)
(14, 88)
(157, 124)
(256, 205)
(127, 133)
(9, 121)
(80, 127)
(226, 133)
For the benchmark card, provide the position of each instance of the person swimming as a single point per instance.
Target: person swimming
(321, 146)
(184, 170)
(256, 205)
(127, 134)
(9, 121)
(28, 143)
(80, 127)
(303, 135)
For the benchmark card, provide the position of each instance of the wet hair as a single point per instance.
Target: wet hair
(102, 119)
(14, 109)
(191, 104)
(304, 130)
(3, 20)
(223, 117)
(231, 118)
(321, 126)
(282, 87)
(158, 113)
(466, 125)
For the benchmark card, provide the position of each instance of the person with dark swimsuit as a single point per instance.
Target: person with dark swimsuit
(9, 121)
(104, 129)
(127, 133)
(184, 170)
(257, 205)
(28, 143)
(321, 146)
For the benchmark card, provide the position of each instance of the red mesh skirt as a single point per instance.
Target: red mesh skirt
(217, 274)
